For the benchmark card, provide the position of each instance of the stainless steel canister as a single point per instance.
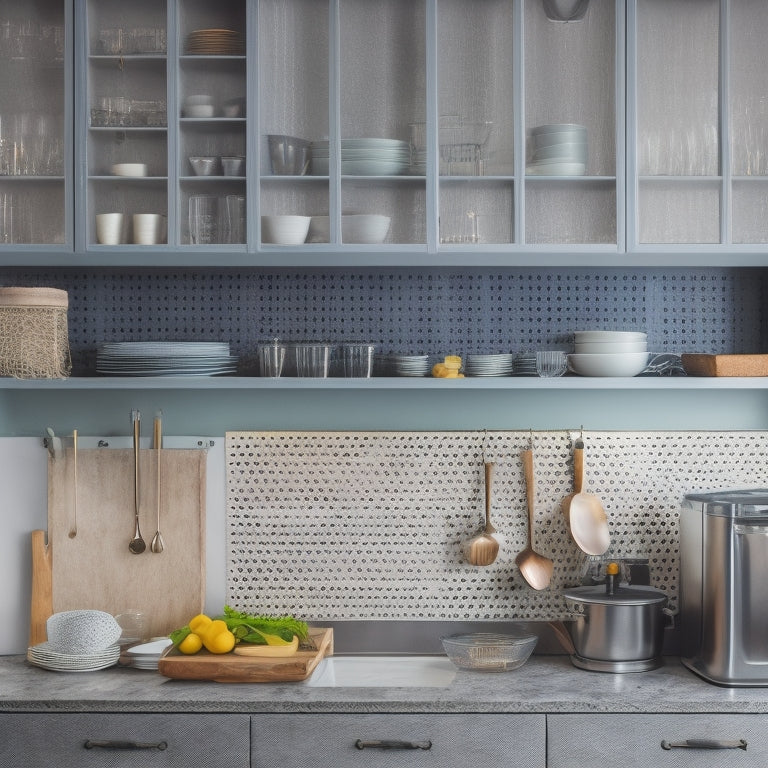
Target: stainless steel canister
(622, 631)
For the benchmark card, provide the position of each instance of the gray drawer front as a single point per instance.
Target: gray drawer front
(457, 741)
(576, 741)
(59, 740)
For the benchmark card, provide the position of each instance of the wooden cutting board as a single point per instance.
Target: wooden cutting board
(231, 668)
(94, 569)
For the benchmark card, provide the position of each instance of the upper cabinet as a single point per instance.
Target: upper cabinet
(699, 91)
(35, 125)
(383, 132)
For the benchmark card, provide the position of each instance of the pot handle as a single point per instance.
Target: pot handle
(670, 613)
(561, 633)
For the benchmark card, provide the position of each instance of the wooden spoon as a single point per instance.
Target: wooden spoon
(578, 480)
(483, 548)
(536, 569)
(586, 516)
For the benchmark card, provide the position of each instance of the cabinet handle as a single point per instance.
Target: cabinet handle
(112, 744)
(391, 744)
(704, 744)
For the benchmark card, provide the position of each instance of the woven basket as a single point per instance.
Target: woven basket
(34, 341)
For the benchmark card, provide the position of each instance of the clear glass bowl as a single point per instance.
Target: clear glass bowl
(489, 651)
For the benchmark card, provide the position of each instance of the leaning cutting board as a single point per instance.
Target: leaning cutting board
(94, 569)
(231, 668)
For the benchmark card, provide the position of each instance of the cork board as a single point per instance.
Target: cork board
(95, 568)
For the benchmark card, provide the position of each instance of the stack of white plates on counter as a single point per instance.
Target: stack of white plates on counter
(525, 364)
(364, 157)
(489, 365)
(609, 353)
(403, 365)
(165, 358)
(147, 655)
(43, 655)
(558, 149)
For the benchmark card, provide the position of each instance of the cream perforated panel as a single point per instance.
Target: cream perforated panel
(371, 525)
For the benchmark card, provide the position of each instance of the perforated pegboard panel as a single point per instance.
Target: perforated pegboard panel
(371, 525)
(463, 311)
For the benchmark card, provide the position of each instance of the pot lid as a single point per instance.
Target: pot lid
(622, 596)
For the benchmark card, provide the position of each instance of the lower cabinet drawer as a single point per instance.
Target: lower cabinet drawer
(123, 740)
(398, 741)
(657, 741)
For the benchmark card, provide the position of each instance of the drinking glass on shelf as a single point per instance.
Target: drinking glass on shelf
(203, 219)
(551, 363)
(234, 219)
(7, 218)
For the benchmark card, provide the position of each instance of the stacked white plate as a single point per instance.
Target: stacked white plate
(609, 353)
(147, 655)
(489, 365)
(165, 358)
(404, 365)
(558, 149)
(525, 364)
(43, 655)
(364, 157)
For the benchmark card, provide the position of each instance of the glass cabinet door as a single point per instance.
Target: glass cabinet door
(570, 122)
(211, 116)
(678, 130)
(34, 138)
(476, 122)
(127, 123)
(748, 121)
(294, 99)
(382, 103)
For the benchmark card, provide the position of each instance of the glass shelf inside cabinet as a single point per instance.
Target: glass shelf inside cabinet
(33, 136)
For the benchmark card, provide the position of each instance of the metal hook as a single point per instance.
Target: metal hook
(52, 443)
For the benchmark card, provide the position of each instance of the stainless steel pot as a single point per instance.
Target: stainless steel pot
(618, 631)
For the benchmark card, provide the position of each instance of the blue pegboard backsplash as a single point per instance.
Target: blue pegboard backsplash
(411, 311)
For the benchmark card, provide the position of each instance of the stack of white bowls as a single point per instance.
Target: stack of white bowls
(558, 149)
(609, 353)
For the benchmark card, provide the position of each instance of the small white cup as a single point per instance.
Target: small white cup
(148, 228)
(109, 228)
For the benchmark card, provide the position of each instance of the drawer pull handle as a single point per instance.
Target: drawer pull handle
(112, 744)
(390, 744)
(704, 744)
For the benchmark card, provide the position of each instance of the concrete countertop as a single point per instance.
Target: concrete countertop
(546, 684)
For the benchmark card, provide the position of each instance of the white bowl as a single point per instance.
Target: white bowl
(609, 347)
(581, 336)
(204, 166)
(364, 228)
(622, 364)
(197, 99)
(198, 110)
(284, 230)
(129, 169)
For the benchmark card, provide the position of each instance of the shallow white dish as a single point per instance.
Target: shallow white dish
(626, 364)
(556, 169)
(609, 347)
(581, 336)
(129, 169)
(284, 230)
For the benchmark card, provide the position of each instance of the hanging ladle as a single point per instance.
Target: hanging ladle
(157, 544)
(483, 548)
(136, 545)
(586, 516)
(536, 569)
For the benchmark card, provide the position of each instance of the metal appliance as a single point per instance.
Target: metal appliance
(724, 586)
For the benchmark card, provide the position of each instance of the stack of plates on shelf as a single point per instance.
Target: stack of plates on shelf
(364, 157)
(489, 365)
(525, 364)
(403, 365)
(43, 655)
(558, 149)
(165, 358)
(146, 655)
(215, 42)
